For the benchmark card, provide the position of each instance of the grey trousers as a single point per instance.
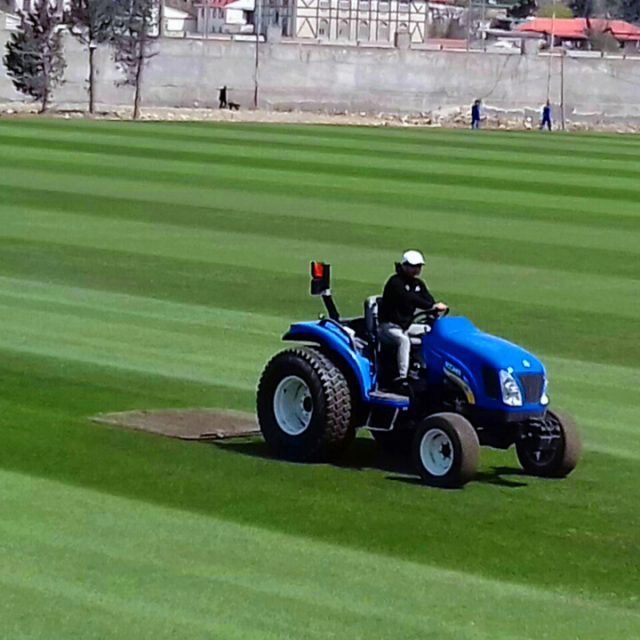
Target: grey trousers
(393, 335)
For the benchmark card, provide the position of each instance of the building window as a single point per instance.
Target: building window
(403, 6)
(343, 30)
(383, 5)
(363, 30)
(323, 28)
(325, 4)
(383, 31)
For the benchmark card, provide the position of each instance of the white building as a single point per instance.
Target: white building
(176, 21)
(225, 16)
(8, 21)
(371, 20)
(14, 6)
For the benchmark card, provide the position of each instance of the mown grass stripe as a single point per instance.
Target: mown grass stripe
(371, 224)
(199, 162)
(172, 286)
(179, 242)
(361, 135)
(245, 560)
(486, 248)
(231, 139)
(206, 283)
(51, 175)
(294, 139)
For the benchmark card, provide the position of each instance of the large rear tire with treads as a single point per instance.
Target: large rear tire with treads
(304, 406)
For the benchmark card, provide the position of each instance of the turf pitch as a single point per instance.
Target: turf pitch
(157, 265)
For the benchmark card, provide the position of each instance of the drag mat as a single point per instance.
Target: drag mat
(186, 424)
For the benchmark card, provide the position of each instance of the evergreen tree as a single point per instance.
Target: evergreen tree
(134, 23)
(628, 10)
(522, 9)
(581, 8)
(558, 10)
(91, 22)
(34, 54)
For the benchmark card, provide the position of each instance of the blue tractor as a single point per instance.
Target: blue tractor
(466, 388)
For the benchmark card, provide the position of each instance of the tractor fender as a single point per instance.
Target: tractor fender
(340, 345)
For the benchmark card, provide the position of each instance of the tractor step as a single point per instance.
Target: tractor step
(388, 399)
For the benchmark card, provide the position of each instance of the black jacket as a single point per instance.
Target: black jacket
(401, 297)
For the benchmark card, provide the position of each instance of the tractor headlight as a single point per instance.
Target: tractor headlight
(544, 398)
(511, 394)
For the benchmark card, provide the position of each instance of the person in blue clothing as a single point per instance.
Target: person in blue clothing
(546, 116)
(475, 114)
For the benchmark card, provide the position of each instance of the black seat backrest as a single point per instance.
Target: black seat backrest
(371, 316)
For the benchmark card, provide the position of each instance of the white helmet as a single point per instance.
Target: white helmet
(413, 258)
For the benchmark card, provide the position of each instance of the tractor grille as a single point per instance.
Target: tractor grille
(532, 384)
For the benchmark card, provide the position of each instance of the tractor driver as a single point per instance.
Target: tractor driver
(403, 293)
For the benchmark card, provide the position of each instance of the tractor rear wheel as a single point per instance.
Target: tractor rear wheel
(304, 406)
(446, 450)
(549, 448)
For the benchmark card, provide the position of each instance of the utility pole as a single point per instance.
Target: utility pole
(468, 23)
(258, 20)
(562, 89)
(161, 18)
(551, 44)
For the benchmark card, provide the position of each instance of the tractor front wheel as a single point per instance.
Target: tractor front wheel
(549, 447)
(304, 406)
(446, 450)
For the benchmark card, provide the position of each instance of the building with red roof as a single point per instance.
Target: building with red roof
(579, 29)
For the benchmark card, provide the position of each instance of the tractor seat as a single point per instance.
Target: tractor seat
(371, 305)
(371, 316)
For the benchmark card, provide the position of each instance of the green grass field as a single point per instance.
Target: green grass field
(157, 265)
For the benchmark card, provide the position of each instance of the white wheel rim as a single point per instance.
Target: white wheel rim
(293, 405)
(436, 452)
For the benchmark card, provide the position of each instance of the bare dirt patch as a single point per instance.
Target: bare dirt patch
(446, 117)
(185, 424)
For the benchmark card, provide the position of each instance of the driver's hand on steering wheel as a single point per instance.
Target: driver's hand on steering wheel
(441, 307)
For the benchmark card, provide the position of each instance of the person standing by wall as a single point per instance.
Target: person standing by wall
(222, 97)
(546, 116)
(475, 114)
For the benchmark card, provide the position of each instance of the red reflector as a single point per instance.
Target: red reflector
(317, 269)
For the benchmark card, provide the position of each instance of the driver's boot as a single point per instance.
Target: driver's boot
(400, 386)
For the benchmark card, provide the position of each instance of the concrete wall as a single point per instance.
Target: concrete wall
(187, 73)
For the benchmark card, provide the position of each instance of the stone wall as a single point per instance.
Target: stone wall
(188, 72)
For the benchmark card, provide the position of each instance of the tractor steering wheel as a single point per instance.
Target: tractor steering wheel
(428, 316)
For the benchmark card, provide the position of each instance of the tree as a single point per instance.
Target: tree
(605, 9)
(628, 10)
(133, 42)
(91, 22)
(522, 9)
(560, 11)
(34, 54)
(581, 8)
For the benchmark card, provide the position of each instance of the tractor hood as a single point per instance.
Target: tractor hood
(460, 338)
